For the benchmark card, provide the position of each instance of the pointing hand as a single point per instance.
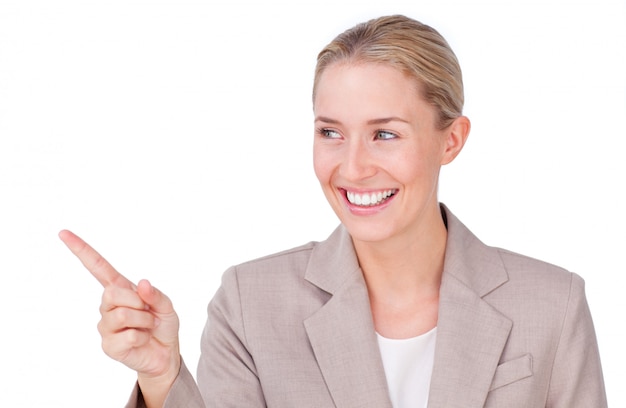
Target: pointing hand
(139, 326)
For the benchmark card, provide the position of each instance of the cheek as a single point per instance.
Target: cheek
(414, 168)
(425, 159)
(322, 164)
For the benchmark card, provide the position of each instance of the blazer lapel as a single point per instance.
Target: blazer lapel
(342, 332)
(471, 334)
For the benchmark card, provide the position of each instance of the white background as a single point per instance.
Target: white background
(175, 136)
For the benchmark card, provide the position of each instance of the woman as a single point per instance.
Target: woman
(401, 306)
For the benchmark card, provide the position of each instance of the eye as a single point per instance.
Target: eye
(385, 135)
(329, 133)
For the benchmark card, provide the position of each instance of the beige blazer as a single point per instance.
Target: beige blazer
(295, 330)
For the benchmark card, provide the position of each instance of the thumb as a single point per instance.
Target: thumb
(166, 332)
(154, 298)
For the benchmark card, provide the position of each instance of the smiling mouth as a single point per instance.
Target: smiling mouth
(370, 199)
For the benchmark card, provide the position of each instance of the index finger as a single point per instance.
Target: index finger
(95, 263)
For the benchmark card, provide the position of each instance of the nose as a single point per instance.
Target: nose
(357, 163)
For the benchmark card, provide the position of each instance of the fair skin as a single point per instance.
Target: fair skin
(139, 326)
(390, 144)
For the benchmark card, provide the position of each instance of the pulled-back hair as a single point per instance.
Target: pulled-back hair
(416, 49)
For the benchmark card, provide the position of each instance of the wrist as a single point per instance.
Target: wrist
(155, 388)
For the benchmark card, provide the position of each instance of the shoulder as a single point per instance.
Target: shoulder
(289, 256)
(536, 289)
(522, 268)
(288, 262)
(518, 284)
(269, 293)
(274, 276)
(541, 282)
(488, 268)
(325, 265)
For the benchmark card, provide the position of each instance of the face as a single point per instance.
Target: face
(377, 151)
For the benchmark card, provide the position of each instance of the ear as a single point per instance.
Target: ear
(456, 134)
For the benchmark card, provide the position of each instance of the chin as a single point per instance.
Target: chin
(368, 231)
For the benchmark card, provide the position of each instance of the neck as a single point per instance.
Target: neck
(408, 268)
(403, 276)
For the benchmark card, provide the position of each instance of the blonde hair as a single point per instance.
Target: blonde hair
(415, 48)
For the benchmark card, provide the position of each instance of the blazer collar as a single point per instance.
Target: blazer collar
(342, 332)
(470, 333)
(333, 262)
(475, 265)
(467, 259)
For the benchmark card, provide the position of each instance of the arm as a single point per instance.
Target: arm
(577, 374)
(183, 393)
(139, 328)
(227, 374)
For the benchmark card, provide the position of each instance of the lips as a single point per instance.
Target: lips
(370, 198)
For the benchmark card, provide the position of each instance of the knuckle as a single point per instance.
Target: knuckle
(137, 337)
(98, 263)
(100, 327)
(106, 328)
(132, 337)
(120, 316)
(110, 299)
(107, 293)
(107, 347)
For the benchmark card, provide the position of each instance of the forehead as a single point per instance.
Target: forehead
(376, 71)
(367, 89)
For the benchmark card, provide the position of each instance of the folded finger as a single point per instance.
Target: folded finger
(114, 297)
(123, 318)
(117, 346)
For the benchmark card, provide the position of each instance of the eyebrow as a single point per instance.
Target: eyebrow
(377, 121)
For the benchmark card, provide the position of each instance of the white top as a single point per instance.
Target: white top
(408, 367)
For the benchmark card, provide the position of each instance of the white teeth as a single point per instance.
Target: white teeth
(369, 199)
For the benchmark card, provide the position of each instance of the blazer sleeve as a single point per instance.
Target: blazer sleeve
(577, 380)
(227, 374)
(184, 393)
